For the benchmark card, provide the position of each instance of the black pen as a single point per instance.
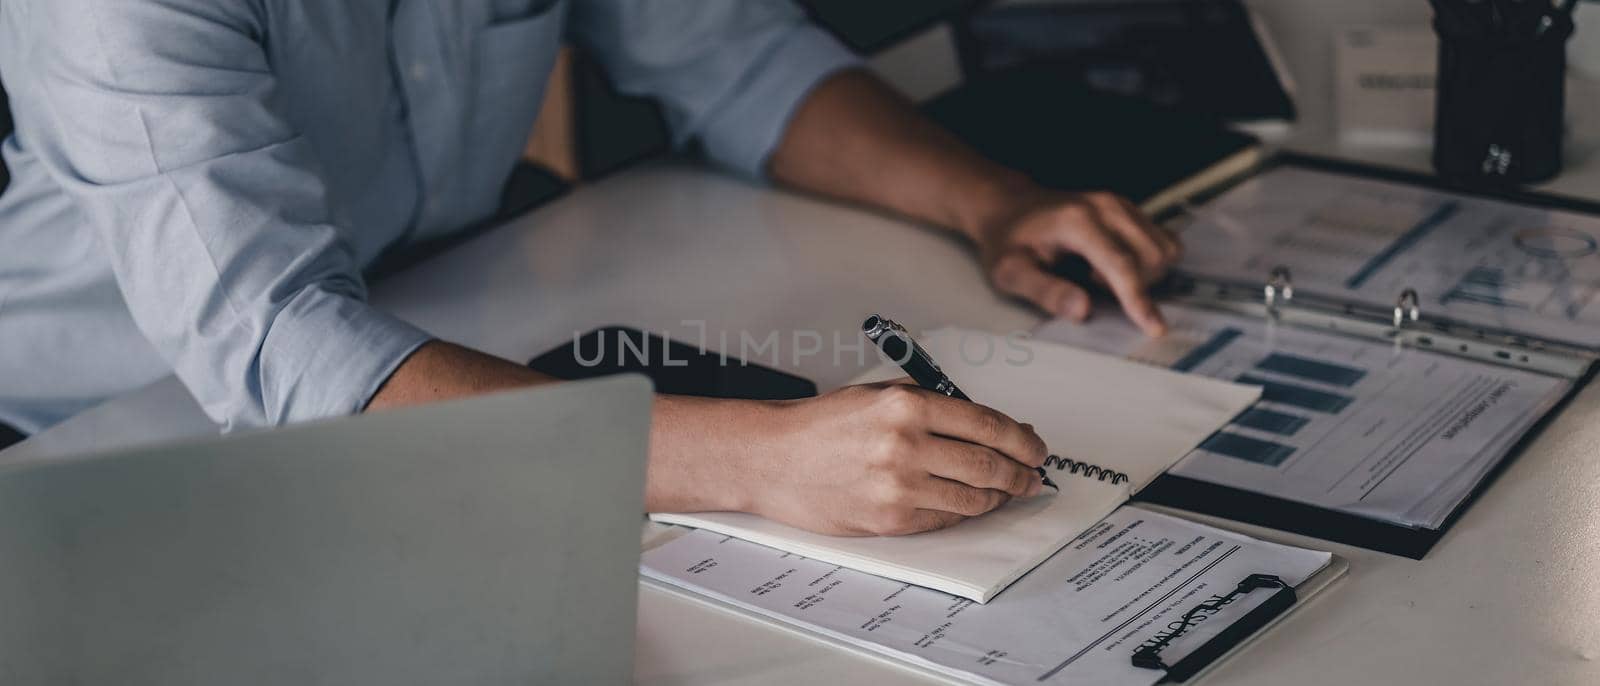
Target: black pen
(896, 342)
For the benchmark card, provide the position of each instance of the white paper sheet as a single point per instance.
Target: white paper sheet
(1086, 406)
(1075, 619)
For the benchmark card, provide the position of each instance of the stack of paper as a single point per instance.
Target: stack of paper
(1077, 619)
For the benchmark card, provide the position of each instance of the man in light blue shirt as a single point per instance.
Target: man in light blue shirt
(198, 185)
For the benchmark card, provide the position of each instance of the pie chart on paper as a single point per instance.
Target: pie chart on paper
(1555, 242)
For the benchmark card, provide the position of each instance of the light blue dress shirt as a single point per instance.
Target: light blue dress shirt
(198, 184)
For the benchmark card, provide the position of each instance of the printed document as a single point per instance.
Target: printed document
(1489, 263)
(1076, 619)
(1343, 423)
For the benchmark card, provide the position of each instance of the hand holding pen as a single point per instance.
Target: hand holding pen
(897, 344)
(883, 459)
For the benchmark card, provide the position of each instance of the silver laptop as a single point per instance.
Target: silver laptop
(488, 541)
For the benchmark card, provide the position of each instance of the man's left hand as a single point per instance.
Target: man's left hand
(1126, 252)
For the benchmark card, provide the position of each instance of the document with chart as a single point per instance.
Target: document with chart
(1136, 578)
(1359, 426)
(1484, 262)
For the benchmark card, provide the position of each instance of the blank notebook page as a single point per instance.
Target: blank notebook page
(1089, 407)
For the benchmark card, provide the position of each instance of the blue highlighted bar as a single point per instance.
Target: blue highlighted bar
(1281, 423)
(1204, 351)
(1313, 370)
(1247, 448)
(1298, 396)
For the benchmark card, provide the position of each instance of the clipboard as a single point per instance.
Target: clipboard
(1273, 296)
(1193, 666)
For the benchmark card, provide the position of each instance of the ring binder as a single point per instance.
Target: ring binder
(1086, 470)
(1326, 307)
(1148, 654)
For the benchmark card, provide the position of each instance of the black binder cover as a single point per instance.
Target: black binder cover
(1331, 525)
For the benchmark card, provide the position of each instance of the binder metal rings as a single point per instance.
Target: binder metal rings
(1278, 291)
(1406, 308)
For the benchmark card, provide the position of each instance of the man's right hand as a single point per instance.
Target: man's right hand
(887, 459)
(877, 459)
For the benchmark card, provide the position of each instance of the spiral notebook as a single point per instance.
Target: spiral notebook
(1117, 425)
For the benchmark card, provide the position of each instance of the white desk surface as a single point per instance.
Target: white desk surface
(1507, 597)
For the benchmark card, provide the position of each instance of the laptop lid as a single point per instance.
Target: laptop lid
(490, 540)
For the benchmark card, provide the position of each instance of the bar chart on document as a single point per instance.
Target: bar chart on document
(1344, 423)
(1480, 261)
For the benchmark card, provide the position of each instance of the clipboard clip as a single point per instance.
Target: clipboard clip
(1148, 654)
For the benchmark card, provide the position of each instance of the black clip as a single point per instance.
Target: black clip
(1148, 654)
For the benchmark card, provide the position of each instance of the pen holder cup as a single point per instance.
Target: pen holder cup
(1499, 113)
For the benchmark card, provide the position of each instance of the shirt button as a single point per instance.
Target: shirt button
(419, 71)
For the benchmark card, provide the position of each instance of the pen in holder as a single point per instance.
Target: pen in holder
(1501, 89)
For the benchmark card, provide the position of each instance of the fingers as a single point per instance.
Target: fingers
(1154, 247)
(1018, 274)
(968, 421)
(977, 469)
(909, 414)
(944, 495)
(1125, 249)
(1171, 247)
(1120, 269)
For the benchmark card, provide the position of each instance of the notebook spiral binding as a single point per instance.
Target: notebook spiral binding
(1084, 469)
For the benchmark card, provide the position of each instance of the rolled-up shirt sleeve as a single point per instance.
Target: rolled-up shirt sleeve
(728, 73)
(207, 203)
